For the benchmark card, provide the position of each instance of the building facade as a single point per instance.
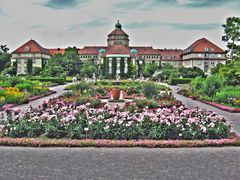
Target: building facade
(117, 56)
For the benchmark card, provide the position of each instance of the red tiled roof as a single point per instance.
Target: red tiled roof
(118, 49)
(56, 51)
(200, 46)
(171, 54)
(91, 50)
(31, 47)
(117, 32)
(146, 50)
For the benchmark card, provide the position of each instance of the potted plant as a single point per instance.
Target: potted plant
(116, 93)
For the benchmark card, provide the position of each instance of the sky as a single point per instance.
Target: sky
(157, 23)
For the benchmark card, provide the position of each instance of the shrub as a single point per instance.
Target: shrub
(198, 84)
(49, 79)
(150, 90)
(95, 102)
(228, 95)
(213, 84)
(82, 86)
(2, 100)
(25, 86)
(175, 81)
(13, 81)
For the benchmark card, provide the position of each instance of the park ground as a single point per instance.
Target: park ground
(123, 163)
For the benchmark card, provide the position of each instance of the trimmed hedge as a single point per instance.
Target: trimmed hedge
(49, 79)
(175, 81)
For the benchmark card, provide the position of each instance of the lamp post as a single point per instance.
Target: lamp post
(140, 63)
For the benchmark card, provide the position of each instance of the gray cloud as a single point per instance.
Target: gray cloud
(182, 26)
(35, 26)
(128, 5)
(91, 24)
(177, 3)
(179, 26)
(63, 4)
(142, 25)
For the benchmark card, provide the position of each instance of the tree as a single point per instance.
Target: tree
(232, 35)
(213, 84)
(88, 69)
(37, 71)
(3, 49)
(53, 71)
(190, 72)
(71, 61)
(5, 61)
(68, 63)
(149, 69)
(231, 72)
(168, 70)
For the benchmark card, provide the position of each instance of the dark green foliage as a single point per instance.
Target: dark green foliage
(191, 72)
(213, 84)
(150, 90)
(232, 35)
(37, 71)
(29, 66)
(88, 69)
(49, 79)
(175, 81)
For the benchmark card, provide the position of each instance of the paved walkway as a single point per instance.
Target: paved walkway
(233, 117)
(119, 163)
(59, 90)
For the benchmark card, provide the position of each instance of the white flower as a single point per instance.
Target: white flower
(86, 129)
(107, 127)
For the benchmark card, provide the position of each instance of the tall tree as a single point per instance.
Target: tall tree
(5, 57)
(232, 35)
(3, 49)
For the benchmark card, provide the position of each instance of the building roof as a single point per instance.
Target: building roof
(171, 54)
(118, 31)
(146, 50)
(118, 49)
(56, 51)
(93, 50)
(31, 47)
(203, 45)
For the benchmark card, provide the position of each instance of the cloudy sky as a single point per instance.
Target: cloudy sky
(157, 23)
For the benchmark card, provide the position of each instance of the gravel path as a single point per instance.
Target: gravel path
(119, 163)
(233, 117)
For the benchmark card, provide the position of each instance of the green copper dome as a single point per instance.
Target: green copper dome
(118, 25)
(102, 51)
(133, 51)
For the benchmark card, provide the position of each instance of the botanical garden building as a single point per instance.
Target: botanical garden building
(117, 56)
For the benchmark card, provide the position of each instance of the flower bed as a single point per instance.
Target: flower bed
(33, 98)
(30, 142)
(215, 104)
(59, 119)
(222, 107)
(16, 90)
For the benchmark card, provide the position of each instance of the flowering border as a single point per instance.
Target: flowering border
(215, 104)
(33, 98)
(32, 142)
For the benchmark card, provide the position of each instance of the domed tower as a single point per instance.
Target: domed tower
(118, 36)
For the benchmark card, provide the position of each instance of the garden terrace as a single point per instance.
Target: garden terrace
(80, 114)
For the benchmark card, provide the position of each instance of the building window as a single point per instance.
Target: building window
(199, 55)
(219, 55)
